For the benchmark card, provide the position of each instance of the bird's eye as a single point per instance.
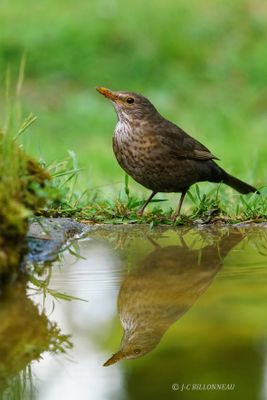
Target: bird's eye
(137, 351)
(130, 100)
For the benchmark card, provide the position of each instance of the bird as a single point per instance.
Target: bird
(158, 154)
(163, 287)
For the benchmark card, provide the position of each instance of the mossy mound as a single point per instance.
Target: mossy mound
(21, 181)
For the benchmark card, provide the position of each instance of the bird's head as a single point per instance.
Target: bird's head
(136, 344)
(129, 105)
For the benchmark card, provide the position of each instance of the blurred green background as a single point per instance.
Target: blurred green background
(202, 63)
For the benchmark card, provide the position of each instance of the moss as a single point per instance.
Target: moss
(21, 178)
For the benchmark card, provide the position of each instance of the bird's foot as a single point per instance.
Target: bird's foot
(140, 212)
(174, 217)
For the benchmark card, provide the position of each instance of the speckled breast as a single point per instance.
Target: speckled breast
(138, 156)
(144, 158)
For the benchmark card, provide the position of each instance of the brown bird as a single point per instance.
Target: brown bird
(158, 154)
(163, 287)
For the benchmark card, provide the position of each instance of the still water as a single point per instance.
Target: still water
(172, 313)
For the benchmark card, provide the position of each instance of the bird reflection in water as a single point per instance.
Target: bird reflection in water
(162, 289)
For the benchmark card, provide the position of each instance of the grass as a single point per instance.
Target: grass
(90, 207)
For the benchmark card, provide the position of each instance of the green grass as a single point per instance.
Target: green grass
(214, 206)
(202, 63)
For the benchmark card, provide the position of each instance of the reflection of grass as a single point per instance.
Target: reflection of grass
(21, 387)
(39, 274)
(25, 333)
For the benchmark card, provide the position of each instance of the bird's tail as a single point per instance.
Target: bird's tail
(237, 184)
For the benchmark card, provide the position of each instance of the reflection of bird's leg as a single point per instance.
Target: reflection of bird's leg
(181, 234)
(152, 241)
(177, 212)
(142, 209)
(183, 243)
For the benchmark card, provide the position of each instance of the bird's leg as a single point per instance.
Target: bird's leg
(142, 209)
(177, 212)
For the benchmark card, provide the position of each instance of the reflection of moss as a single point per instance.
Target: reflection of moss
(24, 333)
(21, 179)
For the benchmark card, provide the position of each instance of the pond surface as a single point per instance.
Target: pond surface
(172, 313)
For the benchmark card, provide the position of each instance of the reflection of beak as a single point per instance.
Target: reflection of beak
(115, 358)
(107, 93)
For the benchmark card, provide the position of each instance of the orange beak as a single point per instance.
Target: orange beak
(107, 93)
(115, 358)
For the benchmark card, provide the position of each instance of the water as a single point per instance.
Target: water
(191, 302)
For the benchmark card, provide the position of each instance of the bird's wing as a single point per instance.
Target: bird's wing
(180, 145)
